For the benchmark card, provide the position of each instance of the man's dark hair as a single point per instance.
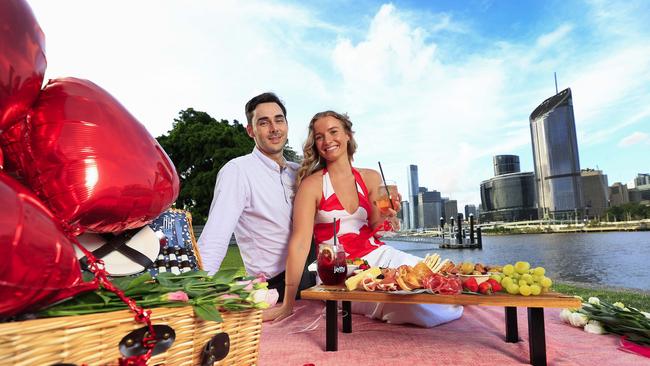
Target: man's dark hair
(262, 98)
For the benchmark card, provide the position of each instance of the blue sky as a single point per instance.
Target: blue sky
(441, 84)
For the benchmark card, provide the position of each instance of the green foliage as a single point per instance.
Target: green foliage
(637, 299)
(200, 146)
(631, 210)
(225, 290)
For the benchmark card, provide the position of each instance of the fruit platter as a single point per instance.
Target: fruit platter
(435, 275)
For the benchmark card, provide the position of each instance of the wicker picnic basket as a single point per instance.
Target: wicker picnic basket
(93, 339)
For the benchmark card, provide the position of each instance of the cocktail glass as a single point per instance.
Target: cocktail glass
(332, 266)
(387, 193)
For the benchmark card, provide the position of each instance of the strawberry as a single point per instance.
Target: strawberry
(470, 284)
(496, 286)
(485, 288)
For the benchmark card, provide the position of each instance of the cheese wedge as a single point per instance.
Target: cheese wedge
(353, 282)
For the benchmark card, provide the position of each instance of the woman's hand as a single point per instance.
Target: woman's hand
(391, 217)
(277, 313)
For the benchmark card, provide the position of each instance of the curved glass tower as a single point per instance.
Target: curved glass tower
(555, 155)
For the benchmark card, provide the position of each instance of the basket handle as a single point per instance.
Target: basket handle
(216, 349)
(132, 344)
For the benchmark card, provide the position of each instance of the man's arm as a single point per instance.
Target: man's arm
(230, 197)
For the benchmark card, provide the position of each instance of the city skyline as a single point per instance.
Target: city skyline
(444, 85)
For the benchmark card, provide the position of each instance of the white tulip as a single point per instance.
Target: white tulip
(594, 301)
(594, 327)
(565, 314)
(578, 319)
(620, 305)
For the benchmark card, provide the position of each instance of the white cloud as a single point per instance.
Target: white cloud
(549, 39)
(634, 138)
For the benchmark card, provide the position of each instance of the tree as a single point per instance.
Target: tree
(199, 146)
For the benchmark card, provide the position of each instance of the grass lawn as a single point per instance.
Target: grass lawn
(233, 260)
(639, 300)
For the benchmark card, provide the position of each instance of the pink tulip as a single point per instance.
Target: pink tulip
(178, 296)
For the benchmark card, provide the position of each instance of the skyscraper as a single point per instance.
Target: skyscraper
(414, 185)
(510, 194)
(430, 209)
(555, 155)
(595, 192)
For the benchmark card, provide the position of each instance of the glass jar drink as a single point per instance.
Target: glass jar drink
(385, 194)
(332, 267)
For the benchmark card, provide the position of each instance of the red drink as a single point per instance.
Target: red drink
(332, 266)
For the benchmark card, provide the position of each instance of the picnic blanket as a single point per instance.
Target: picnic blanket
(476, 338)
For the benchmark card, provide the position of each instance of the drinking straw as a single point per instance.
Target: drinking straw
(386, 186)
(335, 232)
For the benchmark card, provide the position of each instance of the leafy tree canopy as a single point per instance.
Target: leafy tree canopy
(200, 146)
(631, 210)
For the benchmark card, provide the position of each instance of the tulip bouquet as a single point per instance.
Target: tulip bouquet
(597, 316)
(208, 295)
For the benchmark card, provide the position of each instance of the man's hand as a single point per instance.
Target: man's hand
(276, 313)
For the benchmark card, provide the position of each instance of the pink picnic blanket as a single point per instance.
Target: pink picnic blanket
(475, 339)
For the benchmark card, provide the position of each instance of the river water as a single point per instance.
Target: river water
(619, 259)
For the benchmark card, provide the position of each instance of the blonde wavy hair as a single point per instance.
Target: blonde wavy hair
(312, 161)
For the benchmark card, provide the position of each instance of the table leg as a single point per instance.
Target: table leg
(347, 317)
(512, 331)
(536, 337)
(331, 329)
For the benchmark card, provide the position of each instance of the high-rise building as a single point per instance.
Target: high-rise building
(595, 192)
(618, 194)
(451, 208)
(470, 210)
(555, 155)
(406, 215)
(414, 185)
(505, 164)
(430, 209)
(641, 179)
(510, 194)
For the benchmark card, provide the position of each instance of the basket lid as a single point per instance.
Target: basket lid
(145, 242)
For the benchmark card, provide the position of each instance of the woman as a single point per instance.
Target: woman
(330, 188)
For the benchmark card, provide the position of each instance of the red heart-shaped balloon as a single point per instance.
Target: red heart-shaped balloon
(38, 265)
(89, 160)
(22, 60)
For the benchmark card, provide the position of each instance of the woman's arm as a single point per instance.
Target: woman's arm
(304, 212)
(372, 179)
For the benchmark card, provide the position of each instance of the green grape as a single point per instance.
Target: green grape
(525, 290)
(536, 278)
(513, 289)
(528, 278)
(506, 281)
(522, 282)
(496, 277)
(539, 271)
(522, 267)
(545, 282)
(508, 269)
(535, 290)
(515, 276)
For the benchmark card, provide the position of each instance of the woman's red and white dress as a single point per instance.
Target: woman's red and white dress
(358, 240)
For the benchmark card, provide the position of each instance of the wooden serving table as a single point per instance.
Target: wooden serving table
(535, 305)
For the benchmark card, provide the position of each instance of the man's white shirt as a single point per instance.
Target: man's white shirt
(253, 197)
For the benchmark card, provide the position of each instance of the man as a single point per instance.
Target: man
(253, 197)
